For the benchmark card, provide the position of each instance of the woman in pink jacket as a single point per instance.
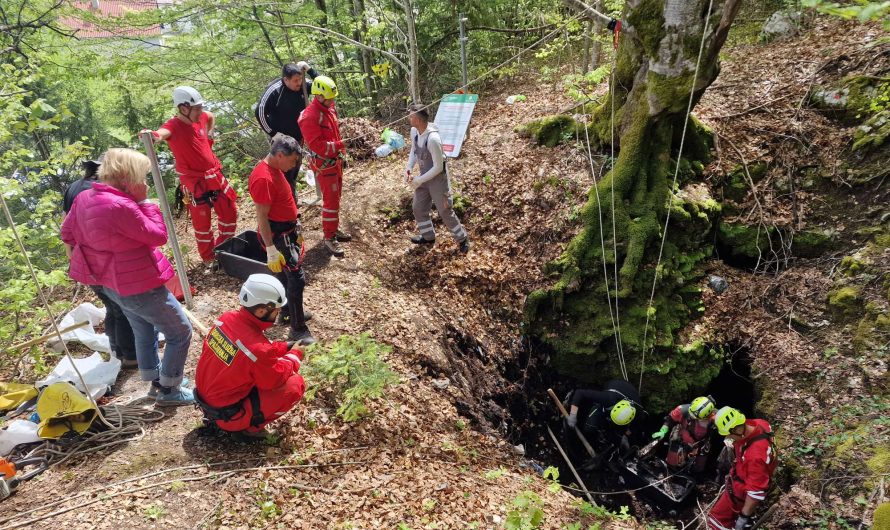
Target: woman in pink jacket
(112, 234)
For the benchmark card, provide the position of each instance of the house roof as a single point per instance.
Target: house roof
(109, 10)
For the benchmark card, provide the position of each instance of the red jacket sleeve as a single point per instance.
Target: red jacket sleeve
(758, 459)
(270, 371)
(676, 415)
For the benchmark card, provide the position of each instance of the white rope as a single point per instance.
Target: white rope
(605, 265)
(49, 311)
(614, 230)
(481, 77)
(667, 218)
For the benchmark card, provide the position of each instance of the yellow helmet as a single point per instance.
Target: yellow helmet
(702, 407)
(63, 408)
(623, 412)
(325, 87)
(727, 419)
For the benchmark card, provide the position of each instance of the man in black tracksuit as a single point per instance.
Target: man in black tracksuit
(281, 105)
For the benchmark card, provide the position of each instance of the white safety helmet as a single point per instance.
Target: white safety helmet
(262, 289)
(186, 95)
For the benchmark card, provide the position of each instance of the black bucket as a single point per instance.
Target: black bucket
(242, 255)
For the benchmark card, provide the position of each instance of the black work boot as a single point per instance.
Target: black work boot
(343, 237)
(464, 246)
(301, 337)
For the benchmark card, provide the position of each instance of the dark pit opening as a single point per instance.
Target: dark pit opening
(531, 411)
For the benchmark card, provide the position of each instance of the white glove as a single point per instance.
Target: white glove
(572, 420)
(303, 66)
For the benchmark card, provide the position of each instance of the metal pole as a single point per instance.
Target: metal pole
(463, 51)
(168, 216)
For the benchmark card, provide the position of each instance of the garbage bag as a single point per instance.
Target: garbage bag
(17, 432)
(393, 139)
(99, 375)
(87, 334)
(383, 150)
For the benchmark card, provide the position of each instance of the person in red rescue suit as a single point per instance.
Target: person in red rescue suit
(279, 229)
(749, 479)
(200, 172)
(690, 426)
(243, 380)
(321, 132)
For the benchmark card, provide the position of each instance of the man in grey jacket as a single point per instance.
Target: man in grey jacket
(432, 186)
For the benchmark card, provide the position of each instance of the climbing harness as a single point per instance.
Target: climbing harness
(667, 218)
(235, 410)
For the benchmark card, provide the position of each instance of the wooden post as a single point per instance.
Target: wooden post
(48, 336)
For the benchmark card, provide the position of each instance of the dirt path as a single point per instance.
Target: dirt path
(416, 461)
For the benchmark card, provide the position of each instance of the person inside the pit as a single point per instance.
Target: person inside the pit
(690, 426)
(608, 414)
(755, 460)
(244, 381)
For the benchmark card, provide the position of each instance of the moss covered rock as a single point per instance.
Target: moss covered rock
(743, 241)
(550, 130)
(882, 517)
(812, 243)
(845, 302)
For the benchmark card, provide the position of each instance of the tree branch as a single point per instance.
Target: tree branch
(338, 36)
(519, 31)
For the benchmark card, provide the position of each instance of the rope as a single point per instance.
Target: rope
(129, 426)
(667, 218)
(599, 209)
(481, 77)
(49, 311)
(612, 167)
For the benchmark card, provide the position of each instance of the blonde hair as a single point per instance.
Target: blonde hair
(122, 168)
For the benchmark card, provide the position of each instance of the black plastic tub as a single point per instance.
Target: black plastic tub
(242, 255)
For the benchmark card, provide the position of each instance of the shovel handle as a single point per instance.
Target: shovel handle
(562, 409)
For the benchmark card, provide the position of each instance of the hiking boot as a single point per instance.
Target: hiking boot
(246, 436)
(419, 240)
(174, 397)
(343, 237)
(156, 387)
(211, 266)
(301, 337)
(334, 246)
(284, 317)
(464, 246)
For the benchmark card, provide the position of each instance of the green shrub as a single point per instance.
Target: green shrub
(353, 368)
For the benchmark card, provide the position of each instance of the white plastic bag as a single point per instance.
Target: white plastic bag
(86, 334)
(17, 432)
(99, 375)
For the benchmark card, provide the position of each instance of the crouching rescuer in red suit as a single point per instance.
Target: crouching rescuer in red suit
(243, 380)
(321, 131)
(204, 186)
(755, 459)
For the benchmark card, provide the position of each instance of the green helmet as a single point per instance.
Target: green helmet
(623, 412)
(702, 407)
(727, 419)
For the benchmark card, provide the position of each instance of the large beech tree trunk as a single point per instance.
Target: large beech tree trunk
(653, 77)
